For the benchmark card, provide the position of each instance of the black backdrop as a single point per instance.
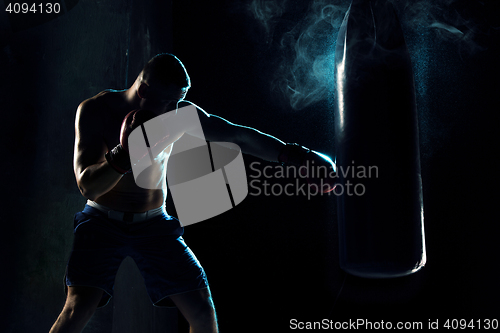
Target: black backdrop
(272, 258)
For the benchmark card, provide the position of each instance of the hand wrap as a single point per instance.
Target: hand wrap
(293, 154)
(318, 169)
(119, 159)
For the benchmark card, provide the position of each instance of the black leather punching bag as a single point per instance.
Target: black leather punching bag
(381, 219)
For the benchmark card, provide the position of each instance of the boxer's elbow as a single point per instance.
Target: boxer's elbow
(84, 187)
(259, 144)
(86, 194)
(244, 137)
(96, 180)
(79, 175)
(88, 184)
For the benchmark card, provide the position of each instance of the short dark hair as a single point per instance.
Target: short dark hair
(166, 68)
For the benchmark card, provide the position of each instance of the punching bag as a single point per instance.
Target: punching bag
(380, 212)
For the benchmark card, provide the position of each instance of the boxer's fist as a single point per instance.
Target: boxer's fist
(131, 121)
(320, 172)
(318, 169)
(119, 157)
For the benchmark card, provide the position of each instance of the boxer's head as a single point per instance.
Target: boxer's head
(166, 69)
(162, 83)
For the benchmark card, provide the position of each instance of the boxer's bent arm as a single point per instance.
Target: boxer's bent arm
(250, 140)
(94, 175)
(97, 179)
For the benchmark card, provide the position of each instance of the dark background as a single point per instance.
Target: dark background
(271, 258)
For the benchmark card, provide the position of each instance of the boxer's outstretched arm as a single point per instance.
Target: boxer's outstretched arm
(250, 140)
(94, 175)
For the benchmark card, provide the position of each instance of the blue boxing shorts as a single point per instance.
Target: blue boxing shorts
(103, 238)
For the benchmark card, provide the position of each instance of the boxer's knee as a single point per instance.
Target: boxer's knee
(82, 302)
(198, 308)
(80, 306)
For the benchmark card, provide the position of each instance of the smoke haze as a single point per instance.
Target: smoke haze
(305, 37)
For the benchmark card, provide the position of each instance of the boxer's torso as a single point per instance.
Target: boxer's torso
(126, 195)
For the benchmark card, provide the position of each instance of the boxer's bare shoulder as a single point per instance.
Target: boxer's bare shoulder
(92, 111)
(101, 115)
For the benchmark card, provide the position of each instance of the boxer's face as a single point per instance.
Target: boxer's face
(160, 98)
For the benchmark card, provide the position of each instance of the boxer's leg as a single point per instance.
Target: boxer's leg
(80, 306)
(197, 307)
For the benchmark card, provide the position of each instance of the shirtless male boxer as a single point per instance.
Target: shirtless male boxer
(122, 219)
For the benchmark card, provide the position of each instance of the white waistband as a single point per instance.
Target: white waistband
(126, 216)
